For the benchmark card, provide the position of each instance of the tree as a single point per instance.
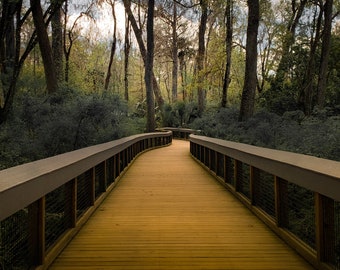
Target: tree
(229, 43)
(325, 52)
(45, 47)
(12, 52)
(151, 124)
(250, 80)
(174, 53)
(71, 35)
(113, 46)
(201, 54)
(127, 46)
(138, 34)
(306, 93)
(289, 38)
(57, 41)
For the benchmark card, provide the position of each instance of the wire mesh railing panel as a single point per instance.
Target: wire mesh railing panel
(244, 179)
(337, 234)
(109, 171)
(55, 218)
(14, 241)
(212, 160)
(206, 157)
(99, 179)
(229, 174)
(220, 165)
(301, 215)
(84, 189)
(265, 192)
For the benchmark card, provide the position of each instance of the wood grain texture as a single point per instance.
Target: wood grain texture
(169, 213)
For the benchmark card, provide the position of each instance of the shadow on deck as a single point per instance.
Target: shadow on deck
(167, 212)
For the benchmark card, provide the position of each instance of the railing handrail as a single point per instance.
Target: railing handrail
(188, 130)
(316, 174)
(24, 184)
(179, 132)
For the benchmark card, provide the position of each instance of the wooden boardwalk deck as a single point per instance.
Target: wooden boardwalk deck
(169, 213)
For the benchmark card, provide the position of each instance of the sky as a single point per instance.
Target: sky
(102, 27)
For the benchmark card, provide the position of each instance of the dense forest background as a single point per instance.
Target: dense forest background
(78, 73)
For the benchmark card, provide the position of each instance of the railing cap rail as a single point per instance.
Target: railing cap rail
(180, 129)
(23, 184)
(317, 174)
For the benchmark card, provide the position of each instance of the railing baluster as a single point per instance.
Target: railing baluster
(325, 230)
(281, 202)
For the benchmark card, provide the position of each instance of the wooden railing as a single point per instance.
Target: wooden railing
(180, 133)
(295, 195)
(44, 203)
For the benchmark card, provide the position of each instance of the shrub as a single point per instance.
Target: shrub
(318, 135)
(43, 126)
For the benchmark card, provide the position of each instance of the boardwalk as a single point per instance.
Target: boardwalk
(169, 213)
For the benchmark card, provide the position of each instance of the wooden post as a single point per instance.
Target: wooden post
(325, 228)
(281, 202)
(37, 232)
(225, 169)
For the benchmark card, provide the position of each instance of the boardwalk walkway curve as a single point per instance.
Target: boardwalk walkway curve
(167, 212)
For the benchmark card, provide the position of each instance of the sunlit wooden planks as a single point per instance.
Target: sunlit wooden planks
(169, 213)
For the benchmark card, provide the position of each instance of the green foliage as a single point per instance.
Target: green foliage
(43, 126)
(317, 135)
(179, 114)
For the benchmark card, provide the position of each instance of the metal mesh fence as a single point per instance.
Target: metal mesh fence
(244, 179)
(84, 182)
(212, 160)
(206, 156)
(265, 190)
(110, 171)
(100, 179)
(301, 216)
(229, 171)
(55, 218)
(220, 165)
(14, 241)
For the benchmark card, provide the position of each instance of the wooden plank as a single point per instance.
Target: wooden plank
(169, 213)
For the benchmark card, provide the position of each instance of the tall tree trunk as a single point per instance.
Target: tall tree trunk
(289, 39)
(138, 34)
(57, 43)
(45, 47)
(113, 46)
(306, 95)
(250, 80)
(174, 54)
(19, 55)
(325, 51)
(127, 46)
(10, 54)
(201, 54)
(151, 124)
(182, 68)
(229, 43)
